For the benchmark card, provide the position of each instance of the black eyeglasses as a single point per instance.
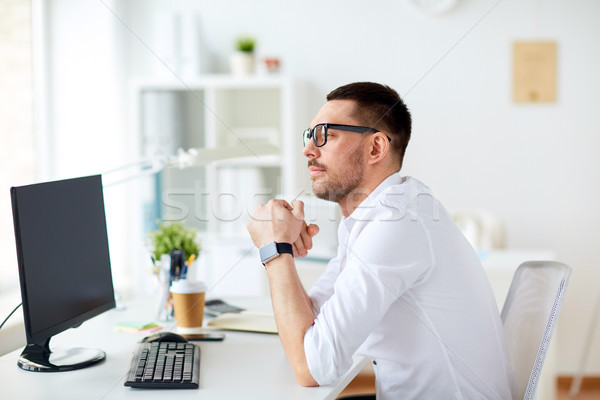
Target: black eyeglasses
(319, 133)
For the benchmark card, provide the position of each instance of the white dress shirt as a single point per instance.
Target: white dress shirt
(407, 291)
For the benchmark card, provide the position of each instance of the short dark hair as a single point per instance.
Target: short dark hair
(379, 106)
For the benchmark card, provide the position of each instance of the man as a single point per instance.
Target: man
(405, 290)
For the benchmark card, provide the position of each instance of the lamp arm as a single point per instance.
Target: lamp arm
(194, 157)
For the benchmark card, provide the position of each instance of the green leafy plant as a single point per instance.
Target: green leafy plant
(174, 235)
(245, 44)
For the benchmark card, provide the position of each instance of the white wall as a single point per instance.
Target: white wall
(536, 166)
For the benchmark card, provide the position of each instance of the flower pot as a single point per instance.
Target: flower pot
(242, 63)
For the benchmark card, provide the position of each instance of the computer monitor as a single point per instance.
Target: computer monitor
(64, 267)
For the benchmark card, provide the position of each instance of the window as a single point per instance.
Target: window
(16, 123)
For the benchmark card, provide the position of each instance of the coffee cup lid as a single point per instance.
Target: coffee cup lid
(187, 286)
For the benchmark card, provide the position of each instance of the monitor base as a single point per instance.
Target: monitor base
(39, 358)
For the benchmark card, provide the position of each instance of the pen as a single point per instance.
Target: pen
(186, 266)
(155, 268)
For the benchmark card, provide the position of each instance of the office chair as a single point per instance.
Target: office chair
(529, 316)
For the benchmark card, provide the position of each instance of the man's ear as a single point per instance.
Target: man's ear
(380, 147)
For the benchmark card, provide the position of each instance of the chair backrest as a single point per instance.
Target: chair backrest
(529, 316)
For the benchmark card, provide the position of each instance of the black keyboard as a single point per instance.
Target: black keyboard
(166, 365)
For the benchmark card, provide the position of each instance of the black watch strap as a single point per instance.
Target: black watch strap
(285, 248)
(273, 249)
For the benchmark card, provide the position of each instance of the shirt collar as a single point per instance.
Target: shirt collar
(367, 204)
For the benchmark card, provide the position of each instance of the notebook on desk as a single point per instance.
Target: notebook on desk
(249, 321)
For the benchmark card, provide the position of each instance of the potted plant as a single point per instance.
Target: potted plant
(181, 245)
(242, 60)
(174, 236)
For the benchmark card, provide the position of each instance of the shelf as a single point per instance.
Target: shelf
(215, 114)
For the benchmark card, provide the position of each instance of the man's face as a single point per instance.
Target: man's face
(336, 169)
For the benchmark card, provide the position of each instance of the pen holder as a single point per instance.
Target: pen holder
(165, 303)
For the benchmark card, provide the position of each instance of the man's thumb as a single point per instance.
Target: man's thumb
(298, 210)
(313, 229)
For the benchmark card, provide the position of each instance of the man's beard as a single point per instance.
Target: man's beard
(338, 184)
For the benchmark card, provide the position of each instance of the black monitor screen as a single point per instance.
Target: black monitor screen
(62, 247)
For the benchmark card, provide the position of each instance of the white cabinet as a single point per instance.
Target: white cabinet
(224, 112)
(220, 111)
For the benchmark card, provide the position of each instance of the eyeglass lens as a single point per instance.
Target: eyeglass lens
(306, 135)
(318, 134)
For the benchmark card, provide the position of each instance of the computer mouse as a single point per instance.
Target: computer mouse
(164, 337)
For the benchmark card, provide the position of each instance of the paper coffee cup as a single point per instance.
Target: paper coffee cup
(188, 302)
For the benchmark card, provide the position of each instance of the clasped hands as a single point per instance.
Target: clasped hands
(281, 221)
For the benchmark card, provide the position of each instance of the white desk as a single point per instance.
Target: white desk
(243, 366)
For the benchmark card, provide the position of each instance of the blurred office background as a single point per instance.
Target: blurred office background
(68, 71)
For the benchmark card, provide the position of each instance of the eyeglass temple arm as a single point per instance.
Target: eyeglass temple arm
(352, 128)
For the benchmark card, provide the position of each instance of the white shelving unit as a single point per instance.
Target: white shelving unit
(216, 111)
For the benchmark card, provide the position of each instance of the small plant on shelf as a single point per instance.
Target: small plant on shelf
(242, 60)
(245, 44)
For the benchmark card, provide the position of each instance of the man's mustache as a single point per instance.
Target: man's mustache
(313, 163)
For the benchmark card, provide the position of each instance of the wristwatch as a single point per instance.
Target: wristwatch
(273, 249)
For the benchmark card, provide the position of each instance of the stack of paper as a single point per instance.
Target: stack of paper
(138, 327)
(250, 320)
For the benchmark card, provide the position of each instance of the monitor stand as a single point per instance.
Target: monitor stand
(39, 358)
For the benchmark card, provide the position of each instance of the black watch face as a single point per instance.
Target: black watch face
(268, 251)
